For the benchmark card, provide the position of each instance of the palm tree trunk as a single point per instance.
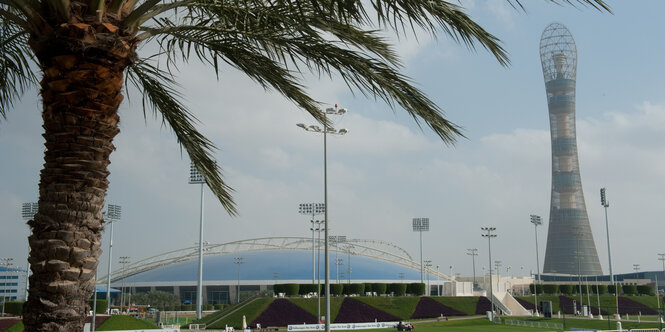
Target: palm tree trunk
(81, 92)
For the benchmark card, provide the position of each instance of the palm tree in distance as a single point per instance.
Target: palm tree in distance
(81, 52)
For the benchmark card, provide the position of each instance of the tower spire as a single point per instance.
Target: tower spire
(570, 245)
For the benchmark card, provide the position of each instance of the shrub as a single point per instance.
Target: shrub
(307, 288)
(550, 289)
(599, 289)
(397, 289)
(415, 288)
(14, 308)
(379, 288)
(218, 306)
(187, 307)
(611, 288)
(566, 289)
(629, 289)
(644, 290)
(368, 287)
(539, 289)
(101, 305)
(336, 289)
(356, 288)
(291, 289)
(207, 307)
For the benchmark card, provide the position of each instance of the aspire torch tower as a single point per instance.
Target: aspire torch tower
(570, 245)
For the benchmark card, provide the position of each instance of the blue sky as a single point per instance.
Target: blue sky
(386, 170)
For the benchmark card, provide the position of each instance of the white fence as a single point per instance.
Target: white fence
(536, 324)
(342, 326)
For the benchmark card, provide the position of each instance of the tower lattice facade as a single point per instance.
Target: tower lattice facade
(570, 245)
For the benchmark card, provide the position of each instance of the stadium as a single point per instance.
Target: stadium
(255, 265)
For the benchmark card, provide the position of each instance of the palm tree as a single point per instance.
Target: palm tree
(84, 50)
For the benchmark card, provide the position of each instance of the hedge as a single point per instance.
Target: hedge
(611, 288)
(219, 306)
(397, 288)
(629, 289)
(599, 289)
(368, 287)
(539, 288)
(551, 289)
(353, 289)
(416, 288)
(336, 289)
(305, 289)
(102, 305)
(566, 289)
(379, 288)
(644, 290)
(14, 308)
(291, 289)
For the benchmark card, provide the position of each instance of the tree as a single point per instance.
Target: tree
(156, 299)
(84, 50)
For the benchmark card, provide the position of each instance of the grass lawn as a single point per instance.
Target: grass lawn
(465, 304)
(120, 322)
(398, 306)
(311, 306)
(250, 311)
(114, 323)
(466, 325)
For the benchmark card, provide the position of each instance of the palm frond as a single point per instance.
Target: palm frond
(16, 74)
(158, 90)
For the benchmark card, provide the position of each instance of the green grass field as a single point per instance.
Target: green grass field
(250, 311)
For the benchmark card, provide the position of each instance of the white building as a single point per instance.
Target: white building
(13, 283)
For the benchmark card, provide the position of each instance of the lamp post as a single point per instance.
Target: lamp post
(536, 221)
(606, 203)
(195, 177)
(28, 211)
(438, 282)
(6, 262)
(662, 259)
(123, 260)
(326, 130)
(428, 264)
(473, 252)
(336, 240)
(312, 209)
(421, 225)
(113, 213)
(497, 264)
(316, 226)
(238, 261)
(488, 234)
(636, 267)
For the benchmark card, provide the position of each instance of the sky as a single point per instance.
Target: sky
(387, 170)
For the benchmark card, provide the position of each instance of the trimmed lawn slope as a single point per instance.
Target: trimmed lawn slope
(311, 306)
(398, 306)
(465, 304)
(283, 312)
(354, 311)
(484, 305)
(251, 311)
(120, 322)
(429, 308)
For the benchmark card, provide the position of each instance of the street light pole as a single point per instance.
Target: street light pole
(606, 203)
(312, 209)
(488, 234)
(497, 264)
(238, 261)
(421, 225)
(536, 221)
(123, 260)
(113, 213)
(428, 264)
(473, 252)
(326, 130)
(195, 177)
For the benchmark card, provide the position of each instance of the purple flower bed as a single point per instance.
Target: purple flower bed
(283, 312)
(628, 306)
(484, 305)
(354, 311)
(526, 304)
(566, 305)
(430, 308)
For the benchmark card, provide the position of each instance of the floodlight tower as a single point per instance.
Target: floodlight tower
(196, 177)
(558, 56)
(421, 225)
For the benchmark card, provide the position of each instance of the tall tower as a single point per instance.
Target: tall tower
(570, 245)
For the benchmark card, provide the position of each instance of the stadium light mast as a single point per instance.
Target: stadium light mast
(558, 56)
(473, 252)
(536, 221)
(28, 211)
(421, 225)
(123, 260)
(488, 234)
(326, 130)
(238, 261)
(312, 209)
(195, 177)
(112, 214)
(606, 203)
